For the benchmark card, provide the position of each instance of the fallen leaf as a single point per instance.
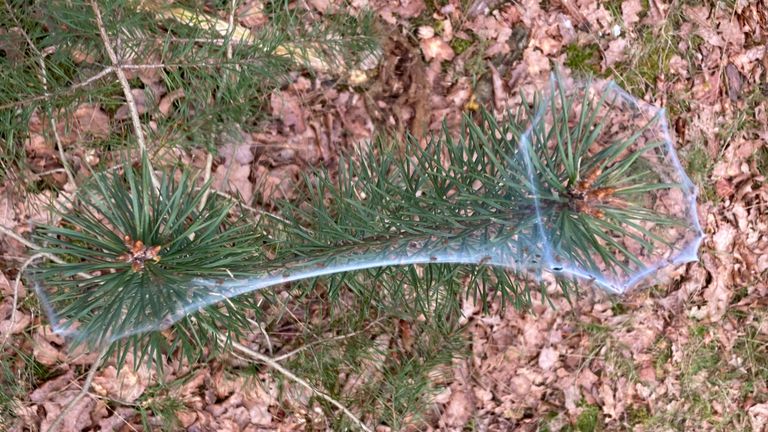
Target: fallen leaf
(234, 178)
(44, 352)
(142, 102)
(758, 417)
(167, 101)
(732, 33)
(126, 386)
(458, 411)
(630, 12)
(615, 53)
(88, 121)
(20, 322)
(251, 14)
(536, 61)
(435, 48)
(724, 238)
(547, 358)
(286, 107)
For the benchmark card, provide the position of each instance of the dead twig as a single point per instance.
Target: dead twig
(324, 341)
(261, 358)
(15, 301)
(129, 100)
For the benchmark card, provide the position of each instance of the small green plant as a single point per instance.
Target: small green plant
(583, 58)
(139, 243)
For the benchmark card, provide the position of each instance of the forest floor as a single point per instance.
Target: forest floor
(688, 354)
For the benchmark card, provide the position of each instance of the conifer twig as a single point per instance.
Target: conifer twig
(290, 375)
(44, 80)
(104, 72)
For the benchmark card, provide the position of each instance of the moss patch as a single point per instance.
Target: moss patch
(584, 59)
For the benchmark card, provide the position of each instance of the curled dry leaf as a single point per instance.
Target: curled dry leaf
(459, 410)
(547, 358)
(20, 321)
(615, 53)
(7, 288)
(87, 122)
(126, 386)
(435, 48)
(758, 417)
(44, 351)
(166, 103)
(630, 12)
(287, 107)
(251, 14)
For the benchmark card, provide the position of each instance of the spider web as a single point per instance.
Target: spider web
(600, 196)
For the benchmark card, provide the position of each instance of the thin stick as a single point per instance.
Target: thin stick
(129, 100)
(15, 301)
(206, 177)
(290, 375)
(83, 392)
(20, 239)
(29, 244)
(324, 341)
(106, 71)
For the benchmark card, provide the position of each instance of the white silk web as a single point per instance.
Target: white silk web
(592, 190)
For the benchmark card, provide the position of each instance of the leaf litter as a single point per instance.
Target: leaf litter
(636, 361)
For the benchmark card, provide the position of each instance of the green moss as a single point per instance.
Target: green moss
(584, 59)
(638, 415)
(699, 167)
(761, 160)
(589, 420)
(460, 45)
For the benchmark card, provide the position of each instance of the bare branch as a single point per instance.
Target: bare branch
(261, 358)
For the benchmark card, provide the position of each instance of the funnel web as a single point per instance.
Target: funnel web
(582, 182)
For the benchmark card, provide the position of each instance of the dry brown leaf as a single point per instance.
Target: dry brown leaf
(78, 417)
(615, 53)
(320, 5)
(459, 410)
(435, 48)
(630, 12)
(142, 101)
(535, 61)
(88, 121)
(7, 288)
(234, 179)
(548, 358)
(251, 14)
(277, 183)
(732, 33)
(724, 238)
(758, 417)
(7, 213)
(126, 386)
(236, 147)
(167, 101)
(287, 108)
(44, 352)
(20, 321)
